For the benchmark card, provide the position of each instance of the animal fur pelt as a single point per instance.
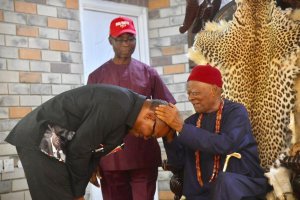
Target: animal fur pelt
(279, 178)
(256, 53)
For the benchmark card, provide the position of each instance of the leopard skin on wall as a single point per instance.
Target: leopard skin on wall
(257, 54)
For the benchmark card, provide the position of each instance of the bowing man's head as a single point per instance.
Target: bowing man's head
(147, 125)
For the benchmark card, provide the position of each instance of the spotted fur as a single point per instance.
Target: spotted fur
(256, 53)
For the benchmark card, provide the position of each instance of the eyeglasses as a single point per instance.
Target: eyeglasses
(193, 94)
(131, 40)
(153, 129)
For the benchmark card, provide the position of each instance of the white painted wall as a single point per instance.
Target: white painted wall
(95, 20)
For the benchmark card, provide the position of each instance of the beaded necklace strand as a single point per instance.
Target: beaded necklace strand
(216, 157)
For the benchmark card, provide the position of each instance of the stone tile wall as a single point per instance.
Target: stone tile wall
(40, 57)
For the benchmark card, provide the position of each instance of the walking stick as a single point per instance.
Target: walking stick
(236, 155)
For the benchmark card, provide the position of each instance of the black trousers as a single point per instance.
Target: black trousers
(47, 178)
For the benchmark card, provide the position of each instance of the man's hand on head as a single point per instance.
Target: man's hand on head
(170, 115)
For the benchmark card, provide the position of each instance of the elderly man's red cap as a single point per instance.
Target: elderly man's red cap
(206, 74)
(121, 25)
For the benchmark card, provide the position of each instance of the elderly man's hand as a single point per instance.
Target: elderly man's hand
(170, 115)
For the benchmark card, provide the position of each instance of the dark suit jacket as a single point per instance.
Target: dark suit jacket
(99, 114)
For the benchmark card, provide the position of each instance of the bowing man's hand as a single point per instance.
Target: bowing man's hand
(170, 115)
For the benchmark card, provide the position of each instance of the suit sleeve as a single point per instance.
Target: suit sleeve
(235, 126)
(79, 158)
(95, 129)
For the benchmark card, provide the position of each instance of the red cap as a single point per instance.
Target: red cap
(206, 74)
(121, 25)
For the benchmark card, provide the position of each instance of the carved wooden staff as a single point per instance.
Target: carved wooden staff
(236, 155)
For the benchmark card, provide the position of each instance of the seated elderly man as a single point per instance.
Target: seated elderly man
(218, 128)
(90, 121)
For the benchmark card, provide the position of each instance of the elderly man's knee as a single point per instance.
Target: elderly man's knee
(226, 180)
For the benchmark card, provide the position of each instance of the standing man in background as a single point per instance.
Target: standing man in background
(130, 174)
